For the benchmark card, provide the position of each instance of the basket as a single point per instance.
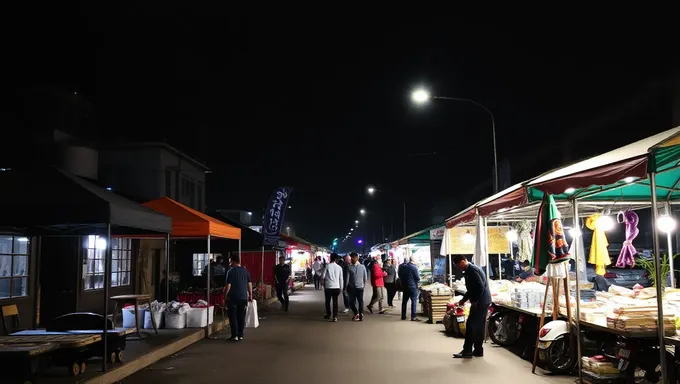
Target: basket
(175, 320)
(196, 317)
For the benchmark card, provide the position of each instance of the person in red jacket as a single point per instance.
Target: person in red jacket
(378, 284)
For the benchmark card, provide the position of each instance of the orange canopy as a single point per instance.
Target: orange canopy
(187, 222)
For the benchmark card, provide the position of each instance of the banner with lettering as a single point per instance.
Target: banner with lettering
(274, 214)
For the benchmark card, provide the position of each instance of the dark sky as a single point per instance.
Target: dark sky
(323, 105)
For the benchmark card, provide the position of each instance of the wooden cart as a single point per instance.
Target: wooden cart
(72, 350)
(21, 361)
(116, 340)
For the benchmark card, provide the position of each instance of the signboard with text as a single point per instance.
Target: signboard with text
(274, 215)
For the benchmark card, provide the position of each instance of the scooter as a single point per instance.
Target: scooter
(557, 350)
(455, 320)
(504, 326)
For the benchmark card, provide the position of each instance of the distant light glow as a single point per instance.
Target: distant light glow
(250, 213)
(511, 235)
(100, 243)
(666, 224)
(468, 238)
(360, 241)
(22, 239)
(109, 189)
(356, 221)
(569, 191)
(371, 190)
(629, 179)
(289, 207)
(362, 211)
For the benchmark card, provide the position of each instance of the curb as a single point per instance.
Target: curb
(126, 369)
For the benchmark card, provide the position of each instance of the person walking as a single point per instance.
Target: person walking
(378, 285)
(480, 298)
(282, 278)
(346, 261)
(333, 283)
(317, 267)
(408, 275)
(390, 281)
(238, 292)
(355, 287)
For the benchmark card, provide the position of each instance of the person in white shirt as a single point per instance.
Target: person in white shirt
(317, 268)
(333, 283)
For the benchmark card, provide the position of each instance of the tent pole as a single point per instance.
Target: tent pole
(447, 233)
(484, 237)
(262, 269)
(670, 249)
(578, 295)
(207, 293)
(107, 283)
(167, 268)
(659, 289)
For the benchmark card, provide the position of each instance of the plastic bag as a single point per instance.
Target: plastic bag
(252, 321)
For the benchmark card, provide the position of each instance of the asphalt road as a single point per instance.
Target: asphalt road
(299, 347)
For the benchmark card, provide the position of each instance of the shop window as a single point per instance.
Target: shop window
(201, 260)
(120, 262)
(14, 251)
(94, 262)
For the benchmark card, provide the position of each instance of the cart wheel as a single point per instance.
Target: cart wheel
(112, 357)
(75, 369)
(83, 367)
(119, 356)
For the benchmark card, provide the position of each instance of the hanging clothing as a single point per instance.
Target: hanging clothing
(599, 255)
(628, 251)
(481, 254)
(524, 242)
(551, 249)
(577, 249)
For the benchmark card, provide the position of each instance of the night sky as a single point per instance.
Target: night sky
(323, 105)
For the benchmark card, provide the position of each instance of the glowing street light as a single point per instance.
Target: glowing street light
(420, 96)
(362, 211)
(371, 190)
(356, 221)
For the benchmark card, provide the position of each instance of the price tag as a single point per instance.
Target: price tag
(460, 319)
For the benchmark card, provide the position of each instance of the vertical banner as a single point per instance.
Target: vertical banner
(274, 214)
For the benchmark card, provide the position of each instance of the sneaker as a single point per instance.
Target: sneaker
(382, 312)
(346, 310)
(356, 318)
(415, 319)
(369, 309)
(240, 338)
(326, 317)
(234, 338)
(462, 355)
(335, 319)
(361, 317)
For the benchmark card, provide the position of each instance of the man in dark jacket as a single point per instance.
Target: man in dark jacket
(344, 263)
(480, 298)
(282, 278)
(409, 278)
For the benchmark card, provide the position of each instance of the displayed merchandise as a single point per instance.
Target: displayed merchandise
(599, 255)
(628, 251)
(129, 320)
(524, 242)
(435, 299)
(156, 311)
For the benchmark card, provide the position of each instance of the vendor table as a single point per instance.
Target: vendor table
(137, 299)
(73, 349)
(434, 306)
(535, 312)
(637, 334)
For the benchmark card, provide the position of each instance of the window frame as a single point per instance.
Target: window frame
(120, 247)
(12, 277)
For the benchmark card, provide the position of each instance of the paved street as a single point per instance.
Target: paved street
(300, 346)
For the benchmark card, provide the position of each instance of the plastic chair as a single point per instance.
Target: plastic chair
(14, 325)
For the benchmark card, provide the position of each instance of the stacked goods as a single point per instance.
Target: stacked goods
(435, 307)
(596, 369)
(526, 298)
(437, 289)
(640, 319)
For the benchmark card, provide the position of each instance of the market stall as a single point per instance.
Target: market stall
(593, 188)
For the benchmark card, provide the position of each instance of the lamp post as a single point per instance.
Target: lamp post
(422, 96)
(372, 190)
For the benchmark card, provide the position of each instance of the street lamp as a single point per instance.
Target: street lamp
(362, 211)
(356, 221)
(370, 190)
(421, 96)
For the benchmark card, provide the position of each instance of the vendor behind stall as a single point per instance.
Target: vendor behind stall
(527, 273)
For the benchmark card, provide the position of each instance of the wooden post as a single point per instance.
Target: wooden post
(540, 324)
(567, 294)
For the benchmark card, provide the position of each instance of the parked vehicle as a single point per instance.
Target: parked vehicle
(504, 325)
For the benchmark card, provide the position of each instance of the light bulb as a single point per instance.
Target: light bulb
(666, 223)
(569, 191)
(100, 243)
(605, 223)
(511, 235)
(468, 238)
(574, 232)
